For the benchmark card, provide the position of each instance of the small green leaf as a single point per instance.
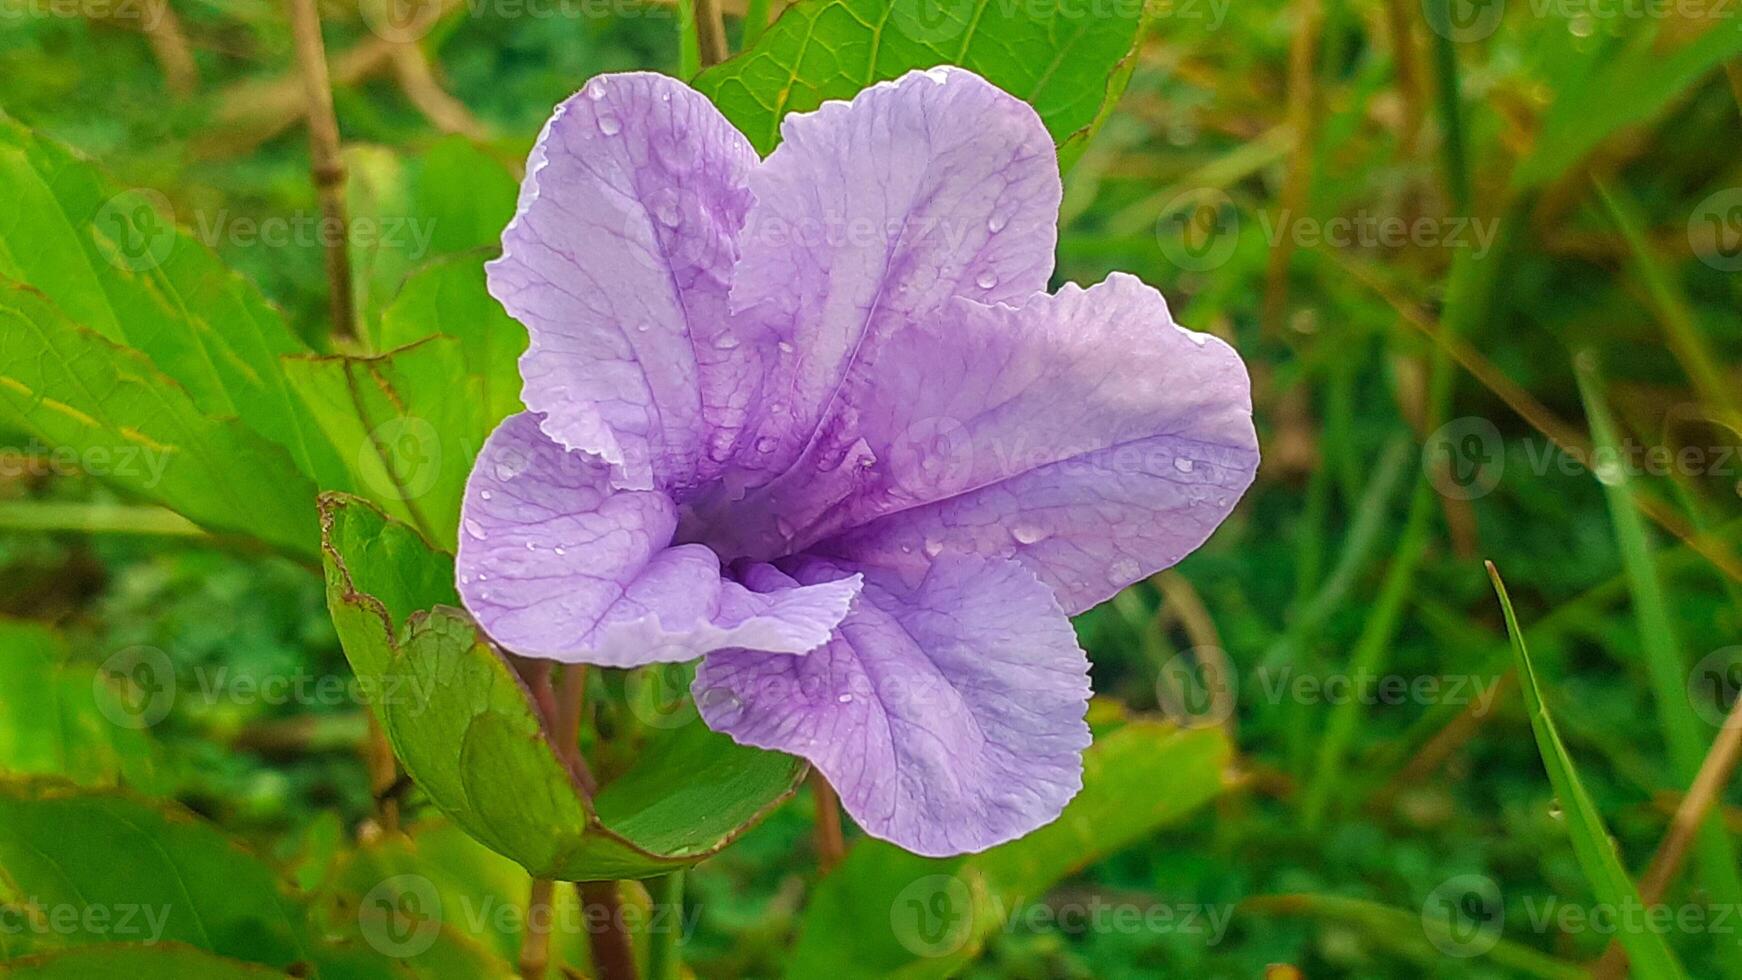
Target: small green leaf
(463, 724)
(448, 297)
(408, 423)
(1070, 64)
(1595, 850)
(886, 912)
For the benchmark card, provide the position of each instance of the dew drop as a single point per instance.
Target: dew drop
(933, 547)
(723, 704)
(987, 279)
(475, 530)
(765, 444)
(483, 576)
(485, 494)
(1124, 570)
(845, 699)
(996, 223)
(560, 550)
(595, 90)
(725, 342)
(1028, 534)
(641, 328)
(785, 347)
(1183, 464)
(609, 125)
(531, 547)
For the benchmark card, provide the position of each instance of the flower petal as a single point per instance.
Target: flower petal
(618, 262)
(1084, 434)
(949, 716)
(932, 186)
(554, 563)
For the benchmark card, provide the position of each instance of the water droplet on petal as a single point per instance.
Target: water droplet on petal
(1183, 464)
(531, 546)
(987, 279)
(559, 549)
(1123, 571)
(1028, 534)
(725, 342)
(475, 530)
(485, 494)
(933, 547)
(609, 125)
(765, 444)
(845, 699)
(996, 223)
(723, 707)
(785, 347)
(596, 89)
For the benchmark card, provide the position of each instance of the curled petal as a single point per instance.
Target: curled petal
(618, 262)
(555, 563)
(929, 187)
(949, 716)
(1083, 434)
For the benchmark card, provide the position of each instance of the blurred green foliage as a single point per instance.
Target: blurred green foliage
(1258, 170)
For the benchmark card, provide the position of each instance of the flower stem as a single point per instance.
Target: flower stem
(602, 911)
(831, 845)
(664, 959)
(328, 168)
(535, 938)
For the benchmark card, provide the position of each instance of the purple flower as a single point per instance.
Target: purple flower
(816, 419)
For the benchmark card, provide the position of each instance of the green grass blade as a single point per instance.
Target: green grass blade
(1649, 955)
(1683, 731)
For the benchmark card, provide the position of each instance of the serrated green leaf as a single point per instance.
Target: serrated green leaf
(113, 260)
(1070, 63)
(462, 722)
(885, 912)
(1647, 952)
(139, 430)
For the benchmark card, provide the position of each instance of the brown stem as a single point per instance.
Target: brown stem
(418, 81)
(831, 845)
(1708, 785)
(383, 776)
(602, 911)
(570, 706)
(535, 938)
(327, 166)
(710, 32)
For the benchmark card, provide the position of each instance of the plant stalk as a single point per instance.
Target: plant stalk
(326, 165)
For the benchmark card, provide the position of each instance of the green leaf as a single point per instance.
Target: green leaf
(98, 867)
(408, 211)
(160, 961)
(1067, 62)
(886, 912)
(140, 430)
(462, 722)
(1649, 956)
(408, 423)
(448, 297)
(113, 261)
(64, 719)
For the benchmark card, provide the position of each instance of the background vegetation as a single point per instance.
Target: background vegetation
(1462, 247)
